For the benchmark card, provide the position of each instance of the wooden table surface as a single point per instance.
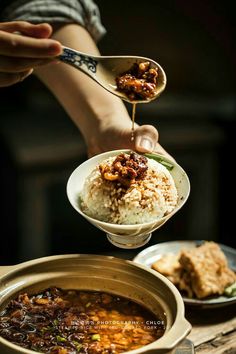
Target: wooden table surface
(214, 330)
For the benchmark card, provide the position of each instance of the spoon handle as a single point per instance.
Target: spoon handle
(80, 61)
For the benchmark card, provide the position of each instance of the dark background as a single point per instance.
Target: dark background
(195, 116)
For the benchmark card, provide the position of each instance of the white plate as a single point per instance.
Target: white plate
(151, 254)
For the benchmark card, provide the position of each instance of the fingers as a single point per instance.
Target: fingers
(42, 30)
(15, 45)
(7, 79)
(24, 46)
(15, 65)
(20, 53)
(146, 137)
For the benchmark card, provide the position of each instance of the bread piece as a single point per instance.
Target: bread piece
(169, 266)
(207, 269)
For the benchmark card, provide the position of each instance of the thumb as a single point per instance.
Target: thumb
(145, 138)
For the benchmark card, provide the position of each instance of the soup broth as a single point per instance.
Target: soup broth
(58, 321)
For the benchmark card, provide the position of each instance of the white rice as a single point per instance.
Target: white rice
(144, 201)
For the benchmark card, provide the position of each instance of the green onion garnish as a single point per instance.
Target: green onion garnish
(230, 291)
(96, 337)
(161, 160)
(60, 339)
(46, 329)
(55, 322)
(78, 345)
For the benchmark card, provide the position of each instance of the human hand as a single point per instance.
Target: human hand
(101, 117)
(115, 137)
(19, 54)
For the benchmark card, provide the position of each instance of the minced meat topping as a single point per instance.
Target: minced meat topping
(125, 169)
(138, 83)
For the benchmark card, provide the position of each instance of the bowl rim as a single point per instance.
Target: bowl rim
(126, 226)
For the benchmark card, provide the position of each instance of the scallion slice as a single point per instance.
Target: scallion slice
(230, 291)
(161, 160)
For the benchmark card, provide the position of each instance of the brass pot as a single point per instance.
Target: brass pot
(100, 273)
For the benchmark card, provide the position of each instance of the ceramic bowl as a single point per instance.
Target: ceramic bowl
(125, 236)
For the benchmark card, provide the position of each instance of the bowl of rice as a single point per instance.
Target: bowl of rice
(128, 195)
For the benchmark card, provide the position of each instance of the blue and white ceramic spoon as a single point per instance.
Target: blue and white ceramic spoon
(105, 69)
